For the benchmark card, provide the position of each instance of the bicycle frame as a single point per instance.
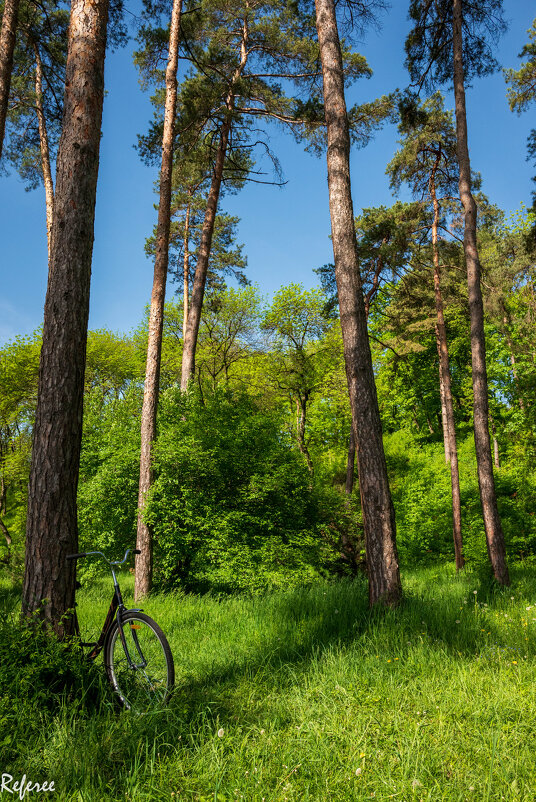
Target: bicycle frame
(115, 611)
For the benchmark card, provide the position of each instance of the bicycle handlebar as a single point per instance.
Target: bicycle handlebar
(110, 562)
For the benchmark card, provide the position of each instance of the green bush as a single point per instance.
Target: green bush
(38, 676)
(233, 506)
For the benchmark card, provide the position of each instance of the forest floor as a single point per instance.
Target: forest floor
(307, 695)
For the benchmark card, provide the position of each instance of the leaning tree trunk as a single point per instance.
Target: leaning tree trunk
(43, 141)
(201, 269)
(7, 47)
(51, 528)
(376, 504)
(144, 561)
(200, 277)
(445, 383)
(492, 521)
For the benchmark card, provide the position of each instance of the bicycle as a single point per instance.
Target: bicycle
(137, 657)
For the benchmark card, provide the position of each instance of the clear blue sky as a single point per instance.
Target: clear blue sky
(285, 231)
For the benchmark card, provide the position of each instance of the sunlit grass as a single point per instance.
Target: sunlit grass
(307, 695)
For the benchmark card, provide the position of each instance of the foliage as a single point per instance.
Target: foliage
(109, 473)
(38, 678)
(232, 507)
(429, 44)
(420, 482)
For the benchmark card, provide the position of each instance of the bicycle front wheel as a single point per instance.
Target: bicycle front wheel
(144, 677)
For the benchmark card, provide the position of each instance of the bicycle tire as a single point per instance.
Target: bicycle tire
(149, 682)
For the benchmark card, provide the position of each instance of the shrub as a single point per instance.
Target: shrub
(233, 507)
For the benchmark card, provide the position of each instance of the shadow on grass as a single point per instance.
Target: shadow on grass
(305, 626)
(312, 625)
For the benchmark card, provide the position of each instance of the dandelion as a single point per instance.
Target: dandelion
(475, 592)
(362, 754)
(358, 772)
(262, 732)
(221, 732)
(388, 661)
(457, 620)
(514, 662)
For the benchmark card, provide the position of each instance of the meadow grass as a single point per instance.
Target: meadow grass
(309, 695)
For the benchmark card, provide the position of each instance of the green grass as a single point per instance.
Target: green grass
(307, 695)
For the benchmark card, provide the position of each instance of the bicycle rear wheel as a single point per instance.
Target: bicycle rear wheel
(148, 679)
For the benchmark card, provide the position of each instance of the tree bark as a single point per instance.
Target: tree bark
(51, 528)
(492, 521)
(444, 423)
(6, 534)
(350, 464)
(445, 384)
(376, 503)
(301, 419)
(144, 561)
(186, 273)
(7, 48)
(496, 460)
(43, 140)
(200, 277)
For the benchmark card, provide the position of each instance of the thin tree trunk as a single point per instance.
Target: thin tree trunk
(496, 460)
(510, 344)
(301, 405)
(492, 521)
(444, 380)
(376, 503)
(350, 464)
(3, 495)
(186, 273)
(43, 140)
(144, 561)
(5, 532)
(7, 47)
(200, 277)
(51, 528)
(444, 423)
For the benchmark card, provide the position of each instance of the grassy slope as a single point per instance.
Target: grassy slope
(318, 699)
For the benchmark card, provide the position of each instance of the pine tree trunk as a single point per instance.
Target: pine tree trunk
(200, 277)
(144, 561)
(444, 423)
(51, 528)
(496, 460)
(201, 269)
(43, 140)
(444, 380)
(376, 503)
(492, 522)
(7, 47)
(186, 273)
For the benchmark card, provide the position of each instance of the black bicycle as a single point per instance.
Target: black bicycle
(137, 656)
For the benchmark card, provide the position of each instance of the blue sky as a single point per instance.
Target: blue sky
(285, 231)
